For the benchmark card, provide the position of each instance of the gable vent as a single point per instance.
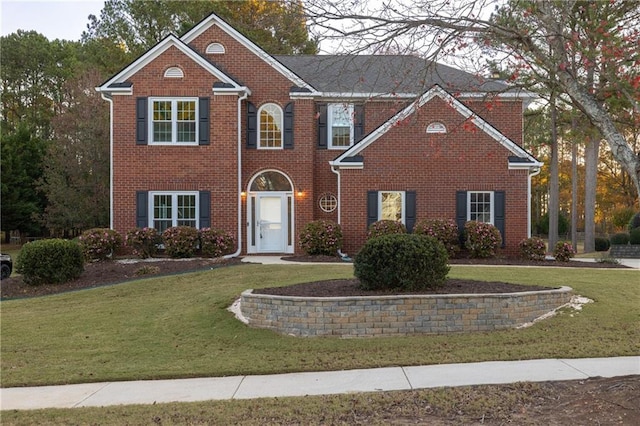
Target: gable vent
(436, 127)
(215, 49)
(173, 72)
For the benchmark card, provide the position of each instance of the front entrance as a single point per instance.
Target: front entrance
(270, 214)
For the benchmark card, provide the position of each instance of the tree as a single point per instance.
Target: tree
(76, 174)
(568, 45)
(22, 156)
(279, 27)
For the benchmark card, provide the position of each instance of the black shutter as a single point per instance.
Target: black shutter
(288, 126)
(141, 121)
(142, 209)
(410, 210)
(461, 212)
(358, 125)
(252, 126)
(205, 209)
(372, 207)
(203, 121)
(498, 213)
(322, 126)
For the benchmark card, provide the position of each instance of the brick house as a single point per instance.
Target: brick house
(208, 130)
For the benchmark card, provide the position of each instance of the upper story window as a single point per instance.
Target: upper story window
(436, 127)
(391, 206)
(340, 124)
(480, 206)
(173, 121)
(270, 135)
(215, 49)
(173, 72)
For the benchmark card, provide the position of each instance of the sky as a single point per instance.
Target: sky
(55, 19)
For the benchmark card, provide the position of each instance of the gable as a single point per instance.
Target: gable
(519, 158)
(120, 83)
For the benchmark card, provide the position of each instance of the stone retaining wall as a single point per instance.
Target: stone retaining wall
(398, 315)
(626, 251)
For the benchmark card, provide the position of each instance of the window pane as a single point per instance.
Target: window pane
(162, 209)
(186, 110)
(480, 206)
(270, 181)
(391, 206)
(186, 132)
(341, 136)
(341, 115)
(161, 110)
(270, 127)
(186, 210)
(162, 132)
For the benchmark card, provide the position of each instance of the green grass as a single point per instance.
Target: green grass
(179, 326)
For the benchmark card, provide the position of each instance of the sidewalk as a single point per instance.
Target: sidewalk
(318, 383)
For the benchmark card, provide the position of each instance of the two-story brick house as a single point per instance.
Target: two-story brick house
(208, 130)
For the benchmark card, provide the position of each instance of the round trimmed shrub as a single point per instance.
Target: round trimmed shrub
(563, 251)
(401, 262)
(53, 261)
(321, 237)
(532, 248)
(444, 230)
(99, 243)
(385, 227)
(481, 239)
(215, 242)
(621, 238)
(143, 241)
(602, 244)
(634, 236)
(180, 241)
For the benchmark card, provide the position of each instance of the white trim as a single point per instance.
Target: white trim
(492, 205)
(174, 120)
(174, 206)
(110, 100)
(403, 202)
(280, 126)
(213, 19)
(455, 104)
(436, 127)
(153, 53)
(215, 48)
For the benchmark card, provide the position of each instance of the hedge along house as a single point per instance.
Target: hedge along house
(208, 130)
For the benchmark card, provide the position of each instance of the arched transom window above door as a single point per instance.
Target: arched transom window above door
(270, 181)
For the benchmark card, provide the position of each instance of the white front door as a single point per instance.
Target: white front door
(271, 223)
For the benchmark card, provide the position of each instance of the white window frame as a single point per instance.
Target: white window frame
(330, 124)
(174, 120)
(403, 208)
(280, 126)
(174, 206)
(492, 205)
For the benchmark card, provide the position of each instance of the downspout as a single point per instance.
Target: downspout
(239, 250)
(531, 174)
(110, 100)
(344, 256)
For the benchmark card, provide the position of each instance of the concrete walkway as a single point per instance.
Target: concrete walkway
(319, 383)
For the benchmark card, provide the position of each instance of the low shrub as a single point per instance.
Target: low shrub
(621, 238)
(634, 236)
(385, 227)
(563, 224)
(563, 251)
(533, 248)
(602, 244)
(402, 262)
(321, 237)
(99, 243)
(146, 270)
(444, 230)
(53, 261)
(634, 222)
(143, 241)
(215, 242)
(180, 241)
(481, 239)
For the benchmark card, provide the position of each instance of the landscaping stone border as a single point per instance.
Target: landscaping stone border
(368, 316)
(625, 251)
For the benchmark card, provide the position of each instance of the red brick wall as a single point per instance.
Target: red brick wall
(435, 166)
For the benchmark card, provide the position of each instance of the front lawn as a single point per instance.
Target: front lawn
(179, 326)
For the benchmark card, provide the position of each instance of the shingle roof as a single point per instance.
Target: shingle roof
(383, 74)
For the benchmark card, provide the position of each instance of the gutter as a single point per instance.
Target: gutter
(244, 96)
(336, 170)
(109, 99)
(532, 173)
